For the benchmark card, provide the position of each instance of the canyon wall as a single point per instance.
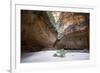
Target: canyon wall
(76, 31)
(37, 32)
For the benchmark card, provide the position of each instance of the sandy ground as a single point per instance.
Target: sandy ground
(47, 56)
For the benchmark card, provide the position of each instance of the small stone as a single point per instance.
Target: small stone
(60, 53)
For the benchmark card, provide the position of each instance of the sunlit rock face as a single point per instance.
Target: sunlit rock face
(40, 29)
(76, 31)
(56, 15)
(74, 21)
